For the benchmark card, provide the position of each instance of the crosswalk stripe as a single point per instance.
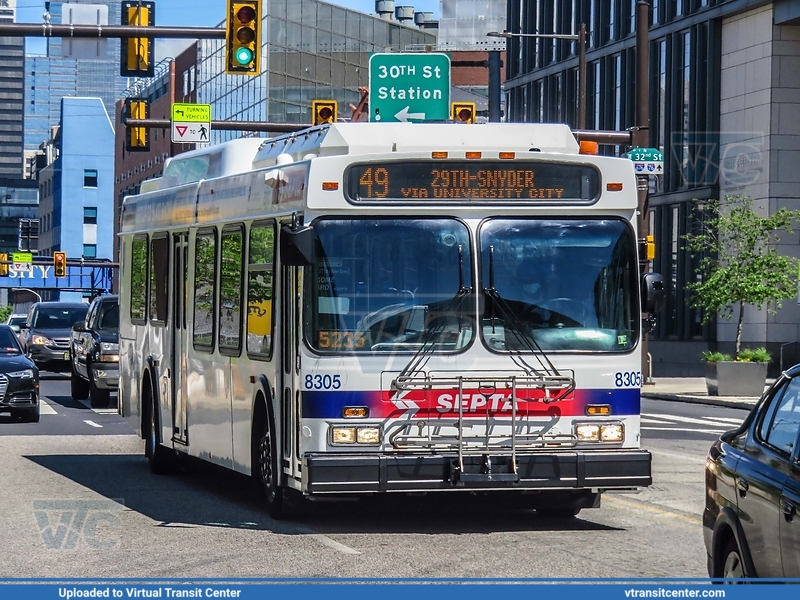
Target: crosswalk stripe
(92, 423)
(687, 429)
(706, 421)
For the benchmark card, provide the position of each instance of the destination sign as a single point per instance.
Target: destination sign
(472, 181)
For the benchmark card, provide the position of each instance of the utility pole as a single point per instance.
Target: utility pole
(640, 138)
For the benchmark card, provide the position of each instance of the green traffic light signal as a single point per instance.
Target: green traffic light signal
(243, 43)
(244, 56)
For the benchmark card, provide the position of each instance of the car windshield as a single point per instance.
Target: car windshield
(58, 317)
(109, 319)
(8, 342)
(387, 285)
(17, 319)
(570, 284)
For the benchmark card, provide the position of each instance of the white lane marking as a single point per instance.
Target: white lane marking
(92, 423)
(326, 541)
(99, 411)
(45, 408)
(685, 457)
(714, 431)
(684, 419)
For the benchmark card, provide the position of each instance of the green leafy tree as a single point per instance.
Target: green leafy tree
(738, 261)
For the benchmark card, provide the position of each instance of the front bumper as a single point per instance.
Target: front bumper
(602, 470)
(106, 375)
(18, 395)
(47, 354)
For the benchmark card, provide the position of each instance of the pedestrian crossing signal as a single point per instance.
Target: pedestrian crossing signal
(324, 111)
(243, 38)
(60, 264)
(463, 112)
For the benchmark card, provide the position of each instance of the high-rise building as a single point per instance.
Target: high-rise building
(72, 70)
(12, 78)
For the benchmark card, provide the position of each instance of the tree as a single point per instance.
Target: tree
(738, 261)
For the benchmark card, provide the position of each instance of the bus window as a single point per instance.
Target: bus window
(389, 285)
(159, 269)
(260, 290)
(138, 282)
(204, 277)
(570, 284)
(230, 290)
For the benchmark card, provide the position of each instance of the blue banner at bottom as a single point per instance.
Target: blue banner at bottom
(557, 589)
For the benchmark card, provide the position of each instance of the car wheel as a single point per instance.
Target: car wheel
(78, 386)
(732, 563)
(30, 415)
(100, 398)
(265, 468)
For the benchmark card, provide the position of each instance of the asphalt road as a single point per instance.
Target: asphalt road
(80, 501)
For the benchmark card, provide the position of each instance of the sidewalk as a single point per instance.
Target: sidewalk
(693, 389)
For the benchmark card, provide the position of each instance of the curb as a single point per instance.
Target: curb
(691, 399)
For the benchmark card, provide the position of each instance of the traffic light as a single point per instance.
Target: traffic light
(463, 111)
(324, 111)
(137, 139)
(243, 37)
(60, 264)
(3, 265)
(136, 53)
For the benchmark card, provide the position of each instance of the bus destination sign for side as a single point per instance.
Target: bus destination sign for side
(406, 87)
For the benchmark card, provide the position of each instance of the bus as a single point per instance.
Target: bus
(364, 308)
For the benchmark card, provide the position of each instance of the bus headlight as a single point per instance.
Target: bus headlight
(356, 435)
(599, 432)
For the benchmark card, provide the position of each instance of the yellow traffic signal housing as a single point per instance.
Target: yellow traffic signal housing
(60, 264)
(463, 112)
(3, 265)
(324, 111)
(137, 139)
(136, 53)
(243, 38)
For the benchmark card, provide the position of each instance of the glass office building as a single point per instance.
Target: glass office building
(310, 50)
(12, 77)
(723, 89)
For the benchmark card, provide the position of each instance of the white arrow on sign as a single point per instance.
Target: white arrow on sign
(405, 116)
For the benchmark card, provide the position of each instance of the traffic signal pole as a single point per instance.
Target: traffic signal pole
(107, 31)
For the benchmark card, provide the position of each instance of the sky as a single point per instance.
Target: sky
(193, 13)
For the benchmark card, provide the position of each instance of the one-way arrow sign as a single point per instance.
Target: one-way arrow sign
(406, 116)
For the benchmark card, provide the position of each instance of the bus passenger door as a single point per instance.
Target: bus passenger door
(290, 397)
(180, 253)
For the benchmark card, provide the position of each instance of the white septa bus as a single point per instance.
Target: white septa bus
(370, 308)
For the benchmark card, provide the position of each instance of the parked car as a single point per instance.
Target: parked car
(19, 378)
(751, 524)
(94, 350)
(15, 320)
(46, 333)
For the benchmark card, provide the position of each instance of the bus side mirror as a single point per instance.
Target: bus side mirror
(298, 246)
(653, 295)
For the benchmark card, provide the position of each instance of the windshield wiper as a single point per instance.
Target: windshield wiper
(431, 337)
(520, 332)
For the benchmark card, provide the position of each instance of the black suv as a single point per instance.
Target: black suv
(94, 352)
(45, 335)
(751, 524)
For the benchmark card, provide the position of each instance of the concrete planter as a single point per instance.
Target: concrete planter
(736, 378)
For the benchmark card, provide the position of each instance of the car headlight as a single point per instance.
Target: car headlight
(109, 348)
(40, 340)
(24, 374)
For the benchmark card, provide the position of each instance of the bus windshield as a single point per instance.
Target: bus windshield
(389, 285)
(567, 284)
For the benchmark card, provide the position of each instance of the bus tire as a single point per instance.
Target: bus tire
(265, 464)
(162, 460)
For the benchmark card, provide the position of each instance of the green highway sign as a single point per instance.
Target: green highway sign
(406, 87)
(191, 113)
(647, 161)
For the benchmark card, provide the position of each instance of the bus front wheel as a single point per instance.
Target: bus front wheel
(162, 460)
(265, 465)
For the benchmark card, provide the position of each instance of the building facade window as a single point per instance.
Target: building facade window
(90, 178)
(90, 251)
(90, 216)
